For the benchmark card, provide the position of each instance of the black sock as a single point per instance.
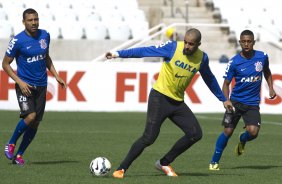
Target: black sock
(164, 162)
(120, 168)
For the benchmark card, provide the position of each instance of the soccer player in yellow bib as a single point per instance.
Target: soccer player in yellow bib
(182, 60)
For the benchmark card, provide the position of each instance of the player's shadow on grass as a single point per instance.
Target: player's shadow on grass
(163, 175)
(262, 167)
(54, 162)
(192, 174)
(205, 174)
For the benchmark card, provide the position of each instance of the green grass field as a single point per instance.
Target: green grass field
(67, 141)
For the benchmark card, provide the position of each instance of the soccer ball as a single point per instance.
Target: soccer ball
(100, 166)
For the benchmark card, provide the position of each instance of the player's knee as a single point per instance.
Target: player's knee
(253, 131)
(195, 136)
(253, 134)
(228, 132)
(198, 136)
(30, 118)
(148, 139)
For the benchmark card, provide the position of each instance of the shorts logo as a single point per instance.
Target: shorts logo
(258, 66)
(43, 44)
(25, 106)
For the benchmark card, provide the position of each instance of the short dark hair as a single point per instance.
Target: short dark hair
(29, 11)
(247, 32)
(196, 32)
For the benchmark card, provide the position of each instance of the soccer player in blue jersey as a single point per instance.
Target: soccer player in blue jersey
(182, 60)
(247, 68)
(30, 48)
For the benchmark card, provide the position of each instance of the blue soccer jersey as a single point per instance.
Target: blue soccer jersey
(30, 54)
(248, 77)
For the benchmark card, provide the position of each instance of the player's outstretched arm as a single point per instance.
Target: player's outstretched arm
(164, 50)
(111, 55)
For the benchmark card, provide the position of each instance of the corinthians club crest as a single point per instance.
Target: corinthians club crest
(43, 44)
(258, 66)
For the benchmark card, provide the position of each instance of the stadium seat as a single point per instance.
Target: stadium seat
(125, 5)
(119, 31)
(106, 6)
(139, 29)
(17, 28)
(64, 15)
(45, 15)
(87, 16)
(111, 17)
(52, 28)
(81, 5)
(5, 30)
(14, 15)
(96, 31)
(3, 15)
(130, 16)
(55, 4)
(37, 5)
(72, 30)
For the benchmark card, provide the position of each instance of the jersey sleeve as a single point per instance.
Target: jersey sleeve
(164, 50)
(210, 79)
(13, 48)
(229, 71)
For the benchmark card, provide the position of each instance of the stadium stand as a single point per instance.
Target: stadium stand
(93, 31)
(63, 13)
(262, 18)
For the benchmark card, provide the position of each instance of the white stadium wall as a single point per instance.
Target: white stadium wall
(124, 86)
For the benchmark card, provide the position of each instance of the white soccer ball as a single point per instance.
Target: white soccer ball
(100, 166)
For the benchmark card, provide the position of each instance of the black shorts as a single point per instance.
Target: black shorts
(249, 113)
(33, 103)
(161, 107)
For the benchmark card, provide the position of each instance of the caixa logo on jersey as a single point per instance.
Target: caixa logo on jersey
(251, 79)
(43, 44)
(258, 66)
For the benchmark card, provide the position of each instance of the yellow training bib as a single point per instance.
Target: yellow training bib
(176, 75)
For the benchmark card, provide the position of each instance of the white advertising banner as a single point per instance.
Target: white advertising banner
(124, 86)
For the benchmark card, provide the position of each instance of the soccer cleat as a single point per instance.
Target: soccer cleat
(166, 169)
(118, 174)
(18, 160)
(9, 151)
(214, 166)
(240, 148)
